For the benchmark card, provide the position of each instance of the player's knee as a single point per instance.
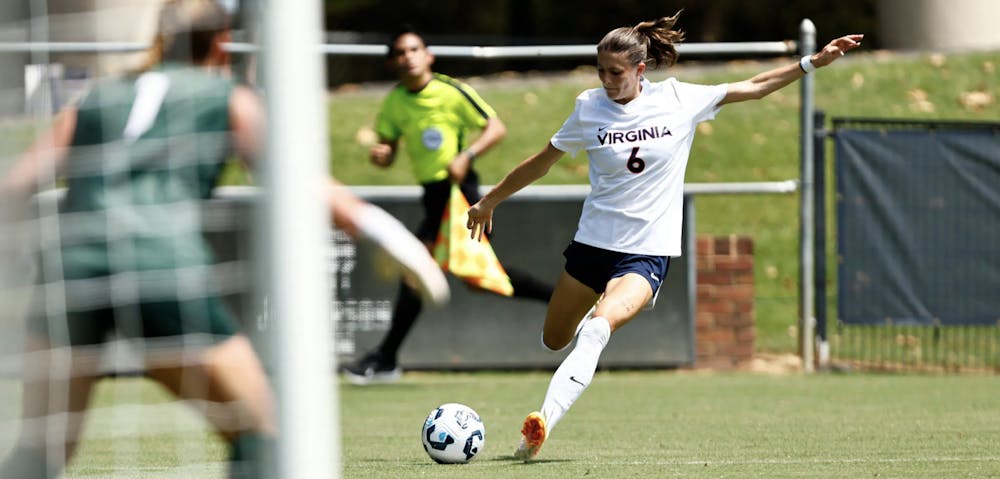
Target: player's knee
(552, 344)
(234, 356)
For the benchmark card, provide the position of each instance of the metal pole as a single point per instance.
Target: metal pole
(819, 210)
(807, 319)
(452, 51)
(691, 251)
(12, 63)
(298, 227)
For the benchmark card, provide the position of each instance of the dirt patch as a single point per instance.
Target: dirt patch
(774, 364)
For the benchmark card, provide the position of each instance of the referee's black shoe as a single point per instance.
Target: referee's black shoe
(372, 368)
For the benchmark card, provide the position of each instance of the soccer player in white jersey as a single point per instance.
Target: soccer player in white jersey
(637, 136)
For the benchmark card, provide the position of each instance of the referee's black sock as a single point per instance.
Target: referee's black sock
(408, 307)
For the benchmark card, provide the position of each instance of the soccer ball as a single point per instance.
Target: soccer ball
(453, 434)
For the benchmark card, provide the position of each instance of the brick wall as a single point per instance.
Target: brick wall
(724, 326)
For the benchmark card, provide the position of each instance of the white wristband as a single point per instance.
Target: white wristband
(806, 65)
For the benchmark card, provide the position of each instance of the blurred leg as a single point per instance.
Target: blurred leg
(230, 377)
(56, 390)
(232, 390)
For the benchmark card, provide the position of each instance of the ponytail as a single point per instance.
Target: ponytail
(154, 56)
(650, 42)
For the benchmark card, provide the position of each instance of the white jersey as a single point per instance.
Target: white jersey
(638, 153)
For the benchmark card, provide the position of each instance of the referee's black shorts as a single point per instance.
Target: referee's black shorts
(435, 200)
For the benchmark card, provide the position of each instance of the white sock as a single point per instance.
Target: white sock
(576, 371)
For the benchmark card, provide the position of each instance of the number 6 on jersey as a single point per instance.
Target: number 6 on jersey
(635, 164)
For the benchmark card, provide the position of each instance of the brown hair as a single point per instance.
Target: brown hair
(651, 42)
(185, 31)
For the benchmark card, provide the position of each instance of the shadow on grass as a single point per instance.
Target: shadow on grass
(382, 387)
(511, 458)
(429, 463)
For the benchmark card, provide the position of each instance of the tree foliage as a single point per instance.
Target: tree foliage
(511, 22)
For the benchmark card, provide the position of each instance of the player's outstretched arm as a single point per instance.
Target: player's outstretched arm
(770, 81)
(524, 174)
(363, 220)
(248, 123)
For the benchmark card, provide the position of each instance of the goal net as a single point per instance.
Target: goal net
(145, 324)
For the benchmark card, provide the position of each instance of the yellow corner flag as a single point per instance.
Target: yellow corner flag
(472, 261)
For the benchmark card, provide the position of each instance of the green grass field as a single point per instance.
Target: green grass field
(661, 424)
(628, 425)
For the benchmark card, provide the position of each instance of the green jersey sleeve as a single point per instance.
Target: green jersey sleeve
(385, 126)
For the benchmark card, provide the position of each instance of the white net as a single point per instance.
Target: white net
(121, 262)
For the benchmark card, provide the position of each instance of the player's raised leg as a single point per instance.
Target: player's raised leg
(571, 301)
(567, 384)
(362, 220)
(624, 298)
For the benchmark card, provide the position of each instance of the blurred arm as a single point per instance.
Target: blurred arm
(356, 217)
(247, 120)
(345, 207)
(45, 157)
(383, 154)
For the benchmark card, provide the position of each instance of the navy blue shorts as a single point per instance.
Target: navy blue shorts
(594, 267)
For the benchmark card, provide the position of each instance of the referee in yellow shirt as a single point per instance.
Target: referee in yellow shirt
(434, 115)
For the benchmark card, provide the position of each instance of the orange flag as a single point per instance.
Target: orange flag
(472, 261)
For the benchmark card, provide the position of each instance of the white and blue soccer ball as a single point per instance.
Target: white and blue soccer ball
(453, 434)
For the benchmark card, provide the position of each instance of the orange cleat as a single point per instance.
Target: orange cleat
(533, 434)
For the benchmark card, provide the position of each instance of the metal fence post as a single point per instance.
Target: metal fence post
(691, 250)
(807, 45)
(819, 255)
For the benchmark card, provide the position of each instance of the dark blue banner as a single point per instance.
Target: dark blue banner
(918, 222)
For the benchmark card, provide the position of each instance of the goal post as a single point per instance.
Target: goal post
(297, 225)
